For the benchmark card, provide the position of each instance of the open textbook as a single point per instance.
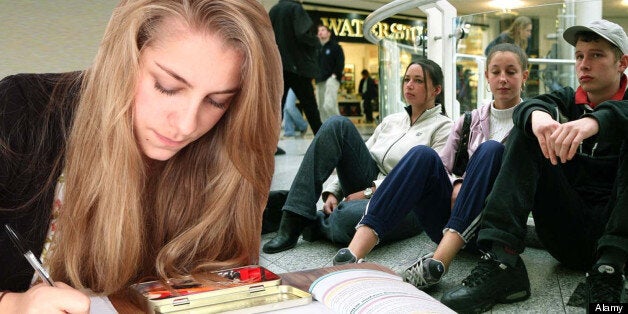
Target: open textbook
(372, 291)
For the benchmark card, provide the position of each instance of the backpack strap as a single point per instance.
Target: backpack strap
(462, 155)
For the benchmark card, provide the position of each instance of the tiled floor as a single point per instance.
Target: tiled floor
(551, 284)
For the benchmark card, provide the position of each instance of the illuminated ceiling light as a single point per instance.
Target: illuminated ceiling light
(507, 5)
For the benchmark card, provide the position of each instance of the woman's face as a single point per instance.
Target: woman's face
(505, 78)
(185, 84)
(417, 90)
(526, 32)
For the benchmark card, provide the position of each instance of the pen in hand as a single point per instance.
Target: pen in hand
(30, 257)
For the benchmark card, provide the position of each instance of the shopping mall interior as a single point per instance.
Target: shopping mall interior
(481, 21)
(64, 35)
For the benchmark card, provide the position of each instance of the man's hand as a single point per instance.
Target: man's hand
(569, 135)
(561, 140)
(543, 127)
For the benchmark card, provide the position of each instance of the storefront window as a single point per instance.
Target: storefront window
(347, 29)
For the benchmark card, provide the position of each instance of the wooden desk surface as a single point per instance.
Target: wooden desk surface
(300, 279)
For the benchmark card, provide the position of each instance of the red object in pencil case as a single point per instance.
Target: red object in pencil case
(159, 294)
(237, 276)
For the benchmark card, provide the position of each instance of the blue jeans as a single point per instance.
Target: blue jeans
(292, 117)
(419, 184)
(302, 87)
(337, 145)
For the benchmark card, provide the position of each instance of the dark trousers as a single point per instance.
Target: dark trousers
(303, 89)
(616, 232)
(367, 103)
(569, 222)
(419, 185)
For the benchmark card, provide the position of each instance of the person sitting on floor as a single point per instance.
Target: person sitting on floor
(566, 162)
(361, 166)
(448, 205)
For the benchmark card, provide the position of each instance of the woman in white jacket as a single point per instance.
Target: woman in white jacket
(360, 166)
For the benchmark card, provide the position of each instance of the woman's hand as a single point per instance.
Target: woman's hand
(43, 298)
(359, 195)
(330, 204)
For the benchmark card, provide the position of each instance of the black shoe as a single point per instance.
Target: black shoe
(490, 282)
(604, 284)
(272, 212)
(287, 237)
(312, 233)
(280, 151)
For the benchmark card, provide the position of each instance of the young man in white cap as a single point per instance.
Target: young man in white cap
(566, 161)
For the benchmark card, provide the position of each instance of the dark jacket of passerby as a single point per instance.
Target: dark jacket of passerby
(296, 39)
(371, 88)
(331, 61)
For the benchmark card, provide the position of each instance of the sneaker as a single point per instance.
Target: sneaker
(604, 285)
(490, 282)
(345, 256)
(425, 272)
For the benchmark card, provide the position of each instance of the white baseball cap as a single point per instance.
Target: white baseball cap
(608, 30)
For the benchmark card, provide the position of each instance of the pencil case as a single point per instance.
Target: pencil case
(248, 289)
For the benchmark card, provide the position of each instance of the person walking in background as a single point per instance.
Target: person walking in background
(368, 91)
(155, 162)
(446, 194)
(518, 33)
(298, 46)
(566, 162)
(360, 166)
(331, 60)
(292, 118)
(463, 88)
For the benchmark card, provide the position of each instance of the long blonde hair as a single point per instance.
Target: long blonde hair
(122, 220)
(514, 31)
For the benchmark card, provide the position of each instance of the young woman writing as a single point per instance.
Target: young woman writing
(158, 158)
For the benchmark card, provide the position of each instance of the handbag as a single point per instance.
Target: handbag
(462, 155)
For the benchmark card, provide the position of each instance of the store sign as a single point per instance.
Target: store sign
(350, 27)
